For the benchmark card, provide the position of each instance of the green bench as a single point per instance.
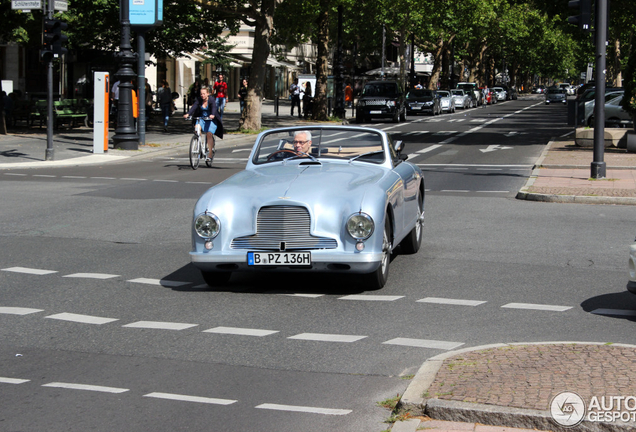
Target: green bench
(69, 111)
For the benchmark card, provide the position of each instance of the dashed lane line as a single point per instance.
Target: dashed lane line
(84, 319)
(424, 343)
(161, 282)
(5, 380)
(95, 388)
(532, 306)
(160, 325)
(324, 337)
(186, 398)
(91, 275)
(27, 270)
(304, 409)
(241, 331)
(371, 297)
(18, 310)
(447, 301)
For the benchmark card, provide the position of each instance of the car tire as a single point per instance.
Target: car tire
(412, 242)
(215, 279)
(396, 116)
(377, 279)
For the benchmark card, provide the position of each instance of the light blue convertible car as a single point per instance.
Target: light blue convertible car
(316, 198)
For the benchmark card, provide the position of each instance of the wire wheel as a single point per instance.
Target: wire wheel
(195, 152)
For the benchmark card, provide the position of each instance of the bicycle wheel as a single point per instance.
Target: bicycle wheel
(195, 152)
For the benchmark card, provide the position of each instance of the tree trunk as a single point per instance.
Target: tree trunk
(402, 57)
(251, 117)
(437, 64)
(320, 99)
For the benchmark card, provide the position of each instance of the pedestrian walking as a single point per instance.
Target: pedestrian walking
(242, 94)
(164, 97)
(220, 90)
(294, 91)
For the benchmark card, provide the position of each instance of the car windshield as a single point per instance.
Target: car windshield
(556, 91)
(380, 89)
(315, 145)
(443, 93)
(412, 94)
(457, 92)
(467, 87)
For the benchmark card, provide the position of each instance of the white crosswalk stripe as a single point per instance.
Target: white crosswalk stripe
(84, 319)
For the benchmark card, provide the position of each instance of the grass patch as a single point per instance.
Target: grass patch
(407, 377)
(390, 403)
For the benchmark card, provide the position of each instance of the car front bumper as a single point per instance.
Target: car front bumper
(321, 261)
(377, 111)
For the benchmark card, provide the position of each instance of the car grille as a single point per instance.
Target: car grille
(283, 228)
(375, 102)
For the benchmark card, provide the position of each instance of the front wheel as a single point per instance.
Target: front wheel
(412, 242)
(195, 152)
(377, 279)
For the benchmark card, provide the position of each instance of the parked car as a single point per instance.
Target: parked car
(471, 88)
(423, 101)
(538, 89)
(588, 99)
(446, 101)
(336, 199)
(615, 115)
(500, 93)
(383, 99)
(554, 95)
(565, 86)
(462, 100)
(511, 93)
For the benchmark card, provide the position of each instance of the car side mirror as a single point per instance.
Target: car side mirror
(399, 146)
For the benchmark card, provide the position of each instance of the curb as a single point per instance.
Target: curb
(523, 193)
(413, 400)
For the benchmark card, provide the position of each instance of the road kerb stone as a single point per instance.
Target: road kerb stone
(416, 400)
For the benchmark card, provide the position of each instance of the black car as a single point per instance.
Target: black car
(383, 99)
(423, 101)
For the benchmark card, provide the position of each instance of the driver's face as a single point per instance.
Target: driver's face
(301, 143)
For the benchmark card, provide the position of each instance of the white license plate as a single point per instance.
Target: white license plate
(279, 258)
(375, 112)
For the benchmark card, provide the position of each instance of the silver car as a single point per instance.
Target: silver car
(318, 198)
(615, 115)
(462, 99)
(446, 101)
(500, 93)
(556, 95)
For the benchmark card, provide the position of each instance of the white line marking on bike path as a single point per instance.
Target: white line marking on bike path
(371, 297)
(18, 310)
(305, 409)
(532, 306)
(84, 319)
(459, 302)
(27, 270)
(13, 380)
(72, 386)
(324, 337)
(241, 331)
(160, 325)
(186, 398)
(91, 275)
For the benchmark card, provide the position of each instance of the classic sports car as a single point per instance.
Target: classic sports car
(315, 198)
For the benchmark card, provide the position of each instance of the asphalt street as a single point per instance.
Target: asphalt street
(106, 326)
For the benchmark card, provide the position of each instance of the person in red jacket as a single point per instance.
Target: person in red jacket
(220, 90)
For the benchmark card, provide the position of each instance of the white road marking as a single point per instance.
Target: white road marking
(132, 179)
(423, 343)
(615, 312)
(84, 319)
(324, 337)
(241, 331)
(429, 148)
(160, 282)
(13, 380)
(160, 325)
(74, 177)
(457, 191)
(91, 275)
(103, 178)
(72, 386)
(305, 295)
(371, 297)
(18, 310)
(194, 182)
(536, 307)
(185, 398)
(305, 409)
(29, 270)
(459, 302)
(15, 174)
(44, 175)
(165, 181)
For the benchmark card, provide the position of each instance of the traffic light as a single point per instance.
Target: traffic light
(53, 39)
(584, 17)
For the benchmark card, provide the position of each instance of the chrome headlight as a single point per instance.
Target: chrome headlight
(207, 225)
(390, 103)
(360, 226)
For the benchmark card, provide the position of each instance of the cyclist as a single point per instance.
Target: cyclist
(209, 121)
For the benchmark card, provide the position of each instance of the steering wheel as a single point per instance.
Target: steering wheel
(271, 157)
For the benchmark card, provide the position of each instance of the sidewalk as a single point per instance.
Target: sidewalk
(25, 147)
(562, 174)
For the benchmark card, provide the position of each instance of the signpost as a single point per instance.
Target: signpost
(26, 4)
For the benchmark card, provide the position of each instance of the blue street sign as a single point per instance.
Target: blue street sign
(145, 13)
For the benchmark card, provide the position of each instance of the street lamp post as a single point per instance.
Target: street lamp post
(126, 137)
